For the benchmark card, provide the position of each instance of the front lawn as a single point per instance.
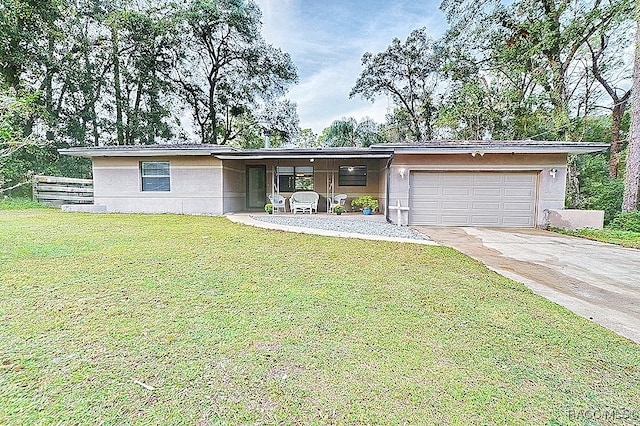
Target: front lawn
(224, 323)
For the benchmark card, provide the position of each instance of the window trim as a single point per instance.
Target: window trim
(342, 176)
(293, 175)
(165, 176)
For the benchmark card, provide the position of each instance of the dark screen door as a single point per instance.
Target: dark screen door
(256, 187)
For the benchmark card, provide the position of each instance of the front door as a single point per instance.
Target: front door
(256, 187)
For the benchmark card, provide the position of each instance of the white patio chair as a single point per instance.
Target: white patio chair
(278, 202)
(338, 200)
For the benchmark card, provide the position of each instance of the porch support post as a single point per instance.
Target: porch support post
(333, 178)
(330, 183)
(388, 190)
(274, 179)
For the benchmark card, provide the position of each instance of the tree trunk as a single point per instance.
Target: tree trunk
(154, 109)
(48, 85)
(573, 183)
(630, 200)
(93, 94)
(116, 84)
(616, 119)
(133, 125)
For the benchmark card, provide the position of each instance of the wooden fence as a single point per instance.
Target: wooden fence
(55, 190)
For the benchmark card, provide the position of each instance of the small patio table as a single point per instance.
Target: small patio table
(302, 206)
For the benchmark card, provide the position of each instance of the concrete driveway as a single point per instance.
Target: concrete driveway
(598, 281)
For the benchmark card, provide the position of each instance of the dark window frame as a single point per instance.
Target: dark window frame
(294, 180)
(353, 175)
(154, 182)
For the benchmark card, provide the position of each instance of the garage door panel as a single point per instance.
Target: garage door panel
(430, 191)
(485, 220)
(454, 220)
(515, 206)
(473, 198)
(428, 205)
(516, 178)
(455, 205)
(487, 192)
(484, 206)
(431, 220)
(519, 192)
(428, 184)
(487, 178)
(456, 178)
(518, 221)
(456, 192)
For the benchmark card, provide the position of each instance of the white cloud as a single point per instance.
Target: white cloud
(324, 97)
(326, 41)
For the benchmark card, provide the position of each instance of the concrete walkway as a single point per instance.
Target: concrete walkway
(598, 281)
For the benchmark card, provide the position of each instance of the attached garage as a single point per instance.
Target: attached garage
(473, 198)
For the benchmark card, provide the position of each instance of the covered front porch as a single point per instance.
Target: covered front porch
(250, 178)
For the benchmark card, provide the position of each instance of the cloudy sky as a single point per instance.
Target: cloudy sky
(326, 39)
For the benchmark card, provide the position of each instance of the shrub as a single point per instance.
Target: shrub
(597, 190)
(268, 208)
(365, 202)
(607, 196)
(627, 222)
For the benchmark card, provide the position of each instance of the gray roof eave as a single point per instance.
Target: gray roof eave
(127, 152)
(334, 152)
(514, 149)
(376, 151)
(316, 155)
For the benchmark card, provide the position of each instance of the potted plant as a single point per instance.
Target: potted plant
(338, 209)
(365, 203)
(268, 208)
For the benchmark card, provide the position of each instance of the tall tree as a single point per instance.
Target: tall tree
(601, 69)
(308, 139)
(16, 109)
(467, 112)
(227, 66)
(23, 23)
(147, 42)
(350, 132)
(107, 70)
(280, 117)
(540, 38)
(407, 72)
(632, 178)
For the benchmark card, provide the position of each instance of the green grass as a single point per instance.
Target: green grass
(607, 235)
(232, 324)
(19, 204)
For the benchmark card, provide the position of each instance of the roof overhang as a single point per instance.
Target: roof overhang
(497, 147)
(146, 150)
(374, 152)
(327, 153)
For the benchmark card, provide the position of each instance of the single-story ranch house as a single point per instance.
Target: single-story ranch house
(457, 183)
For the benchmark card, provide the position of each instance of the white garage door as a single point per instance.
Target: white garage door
(473, 198)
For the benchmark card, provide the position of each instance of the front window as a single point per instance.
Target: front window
(352, 176)
(155, 176)
(298, 178)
